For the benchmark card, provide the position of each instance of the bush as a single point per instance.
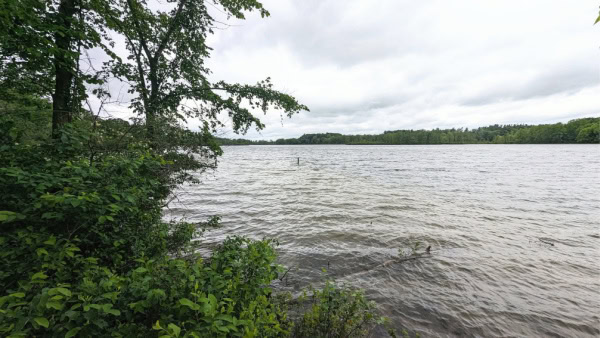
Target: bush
(84, 252)
(66, 293)
(337, 311)
(112, 202)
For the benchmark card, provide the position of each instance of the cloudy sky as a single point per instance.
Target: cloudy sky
(368, 66)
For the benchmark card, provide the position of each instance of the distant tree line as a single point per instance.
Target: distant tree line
(584, 130)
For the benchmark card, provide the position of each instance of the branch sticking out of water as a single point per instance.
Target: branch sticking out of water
(285, 274)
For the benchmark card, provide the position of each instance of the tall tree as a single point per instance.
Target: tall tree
(166, 66)
(64, 64)
(41, 43)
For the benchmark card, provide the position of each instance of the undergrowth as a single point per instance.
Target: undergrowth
(84, 252)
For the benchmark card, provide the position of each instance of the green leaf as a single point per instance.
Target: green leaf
(62, 291)
(106, 307)
(140, 270)
(39, 275)
(17, 295)
(41, 321)
(226, 318)
(54, 305)
(113, 312)
(7, 216)
(188, 303)
(51, 241)
(72, 332)
(156, 326)
(175, 329)
(65, 292)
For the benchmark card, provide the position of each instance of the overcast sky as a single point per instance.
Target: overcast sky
(368, 66)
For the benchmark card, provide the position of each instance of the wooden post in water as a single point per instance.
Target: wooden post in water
(298, 160)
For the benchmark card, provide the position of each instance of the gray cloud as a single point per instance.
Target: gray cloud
(368, 66)
(563, 79)
(330, 31)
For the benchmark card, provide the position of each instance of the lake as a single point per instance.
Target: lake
(514, 229)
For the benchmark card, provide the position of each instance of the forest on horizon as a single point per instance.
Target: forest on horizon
(583, 130)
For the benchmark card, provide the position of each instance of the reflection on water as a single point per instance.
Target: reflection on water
(514, 229)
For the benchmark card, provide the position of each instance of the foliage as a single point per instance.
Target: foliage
(166, 66)
(575, 131)
(41, 45)
(585, 130)
(44, 46)
(62, 292)
(112, 202)
(589, 134)
(24, 117)
(85, 252)
(337, 311)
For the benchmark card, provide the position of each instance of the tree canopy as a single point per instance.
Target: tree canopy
(44, 42)
(585, 130)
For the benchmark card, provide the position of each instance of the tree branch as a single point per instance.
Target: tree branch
(170, 30)
(138, 29)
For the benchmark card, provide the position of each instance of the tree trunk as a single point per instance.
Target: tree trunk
(152, 111)
(64, 67)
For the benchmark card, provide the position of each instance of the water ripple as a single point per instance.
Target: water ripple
(514, 229)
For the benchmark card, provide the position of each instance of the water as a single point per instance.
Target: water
(488, 211)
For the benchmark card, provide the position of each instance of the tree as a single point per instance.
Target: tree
(166, 67)
(40, 46)
(589, 134)
(44, 41)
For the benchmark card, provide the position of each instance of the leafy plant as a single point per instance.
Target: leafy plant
(111, 202)
(337, 311)
(62, 292)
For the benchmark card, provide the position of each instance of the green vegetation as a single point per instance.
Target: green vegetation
(337, 312)
(84, 249)
(585, 130)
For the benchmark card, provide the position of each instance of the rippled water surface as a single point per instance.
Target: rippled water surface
(514, 229)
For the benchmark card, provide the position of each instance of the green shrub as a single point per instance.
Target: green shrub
(66, 293)
(84, 252)
(337, 311)
(111, 201)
